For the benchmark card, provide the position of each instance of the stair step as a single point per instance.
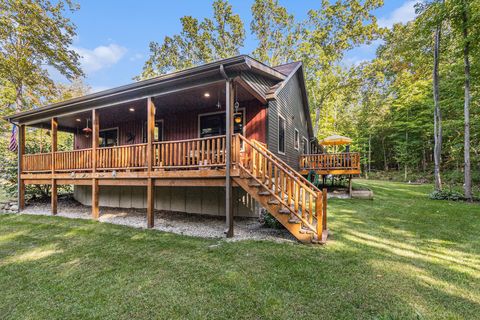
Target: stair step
(306, 231)
(254, 184)
(294, 221)
(264, 193)
(273, 202)
(284, 211)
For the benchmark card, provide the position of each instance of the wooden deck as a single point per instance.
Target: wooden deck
(187, 160)
(331, 163)
(294, 201)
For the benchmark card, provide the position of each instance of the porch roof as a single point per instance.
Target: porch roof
(165, 84)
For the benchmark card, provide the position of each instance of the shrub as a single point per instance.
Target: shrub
(269, 221)
(446, 195)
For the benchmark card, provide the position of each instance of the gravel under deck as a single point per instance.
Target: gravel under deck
(175, 222)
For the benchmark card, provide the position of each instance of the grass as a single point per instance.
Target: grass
(400, 256)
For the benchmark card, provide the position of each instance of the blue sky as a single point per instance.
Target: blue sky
(113, 35)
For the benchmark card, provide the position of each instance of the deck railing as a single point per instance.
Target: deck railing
(193, 153)
(132, 156)
(304, 201)
(39, 162)
(331, 161)
(76, 160)
(179, 155)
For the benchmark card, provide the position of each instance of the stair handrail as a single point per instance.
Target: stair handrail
(288, 172)
(294, 172)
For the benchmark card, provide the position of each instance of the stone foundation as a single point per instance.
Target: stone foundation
(9, 207)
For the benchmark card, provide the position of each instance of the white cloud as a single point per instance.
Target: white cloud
(403, 14)
(100, 57)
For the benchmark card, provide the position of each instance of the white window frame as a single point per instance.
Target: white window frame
(284, 133)
(296, 140)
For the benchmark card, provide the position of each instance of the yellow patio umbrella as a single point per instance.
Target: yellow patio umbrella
(335, 140)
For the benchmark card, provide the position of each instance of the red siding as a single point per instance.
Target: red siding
(183, 125)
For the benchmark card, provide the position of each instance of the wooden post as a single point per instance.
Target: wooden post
(21, 152)
(150, 185)
(229, 96)
(350, 185)
(54, 197)
(319, 214)
(95, 139)
(324, 208)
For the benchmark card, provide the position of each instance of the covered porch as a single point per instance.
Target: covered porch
(173, 137)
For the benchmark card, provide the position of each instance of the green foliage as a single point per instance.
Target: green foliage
(269, 221)
(276, 31)
(33, 35)
(197, 43)
(446, 195)
(37, 141)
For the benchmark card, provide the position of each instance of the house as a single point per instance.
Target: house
(217, 139)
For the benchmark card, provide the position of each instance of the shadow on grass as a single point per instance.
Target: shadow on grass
(400, 256)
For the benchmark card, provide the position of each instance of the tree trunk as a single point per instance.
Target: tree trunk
(466, 108)
(437, 115)
(369, 153)
(424, 159)
(406, 146)
(385, 164)
(317, 120)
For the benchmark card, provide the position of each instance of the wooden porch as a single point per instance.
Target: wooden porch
(347, 163)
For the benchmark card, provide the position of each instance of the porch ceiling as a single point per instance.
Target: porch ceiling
(162, 85)
(182, 101)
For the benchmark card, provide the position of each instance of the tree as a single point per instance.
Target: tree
(276, 31)
(197, 43)
(433, 15)
(326, 35)
(34, 34)
(466, 108)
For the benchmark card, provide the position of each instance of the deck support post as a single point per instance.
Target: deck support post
(21, 182)
(150, 203)
(53, 134)
(350, 185)
(229, 101)
(95, 140)
(324, 209)
(150, 160)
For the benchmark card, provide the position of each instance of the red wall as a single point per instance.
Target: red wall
(181, 125)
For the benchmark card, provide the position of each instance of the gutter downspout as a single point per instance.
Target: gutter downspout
(228, 153)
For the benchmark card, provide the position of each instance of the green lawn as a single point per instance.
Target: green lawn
(400, 256)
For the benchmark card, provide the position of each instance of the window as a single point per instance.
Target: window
(296, 141)
(157, 131)
(214, 124)
(305, 145)
(108, 137)
(281, 134)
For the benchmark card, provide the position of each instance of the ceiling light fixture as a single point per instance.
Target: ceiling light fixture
(131, 109)
(206, 95)
(78, 120)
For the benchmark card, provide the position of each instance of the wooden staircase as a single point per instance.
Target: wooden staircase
(296, 203)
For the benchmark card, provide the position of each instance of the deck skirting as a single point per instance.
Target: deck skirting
(197, 200)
